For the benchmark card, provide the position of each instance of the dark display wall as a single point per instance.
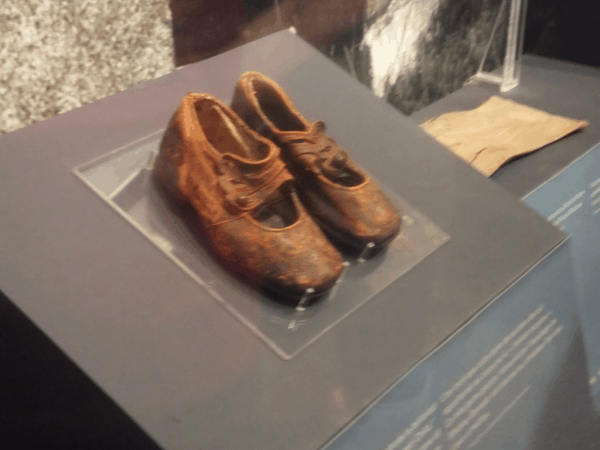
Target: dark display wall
(564, 29)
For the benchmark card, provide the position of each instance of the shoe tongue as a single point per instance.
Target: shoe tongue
(312, 131)
(227, 132)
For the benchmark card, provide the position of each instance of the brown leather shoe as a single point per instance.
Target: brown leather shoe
(241, 191)
(347, 204)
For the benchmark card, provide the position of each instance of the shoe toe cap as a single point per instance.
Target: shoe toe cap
(287, 261)
(377, 227)
(316, 269)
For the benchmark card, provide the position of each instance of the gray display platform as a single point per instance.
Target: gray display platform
(183, 368)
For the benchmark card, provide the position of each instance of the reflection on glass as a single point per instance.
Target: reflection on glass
(409, 52)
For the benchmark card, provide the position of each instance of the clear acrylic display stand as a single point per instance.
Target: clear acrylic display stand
(123, 178)
(511, 70)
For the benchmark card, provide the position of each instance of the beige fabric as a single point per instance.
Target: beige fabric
(498, 131)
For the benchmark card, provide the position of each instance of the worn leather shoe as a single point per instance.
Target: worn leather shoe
(346, 203)
(245, 201)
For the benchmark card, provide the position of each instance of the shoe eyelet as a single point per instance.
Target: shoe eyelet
(242, 200)
(339, 161)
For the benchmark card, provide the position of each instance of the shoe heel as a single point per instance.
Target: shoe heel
(166, 165)
(239, 105)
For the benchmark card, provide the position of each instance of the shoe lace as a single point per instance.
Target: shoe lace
(323, 152)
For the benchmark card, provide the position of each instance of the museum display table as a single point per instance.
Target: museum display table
(181, 368)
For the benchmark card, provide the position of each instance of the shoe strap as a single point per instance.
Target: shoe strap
(248, 185)
(316, 150)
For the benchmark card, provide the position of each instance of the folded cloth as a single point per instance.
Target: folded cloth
(497, 131)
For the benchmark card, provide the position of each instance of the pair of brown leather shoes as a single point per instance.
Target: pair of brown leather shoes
(252, 171)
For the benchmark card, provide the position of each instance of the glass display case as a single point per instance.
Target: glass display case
(409, 52)
(511, 68)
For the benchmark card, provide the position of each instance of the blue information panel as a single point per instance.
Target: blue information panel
(486, 387)
(571, 200)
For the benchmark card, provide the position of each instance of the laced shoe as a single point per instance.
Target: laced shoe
(347, 204)
(245, 201)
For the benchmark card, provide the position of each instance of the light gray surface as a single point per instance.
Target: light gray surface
(556, 87)
(180, 365)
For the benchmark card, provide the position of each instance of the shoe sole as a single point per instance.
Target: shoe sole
(352, 244)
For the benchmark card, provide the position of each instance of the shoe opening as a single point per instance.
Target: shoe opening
(346, 177)
(225, 135)
(278, 212)
(275, 108)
